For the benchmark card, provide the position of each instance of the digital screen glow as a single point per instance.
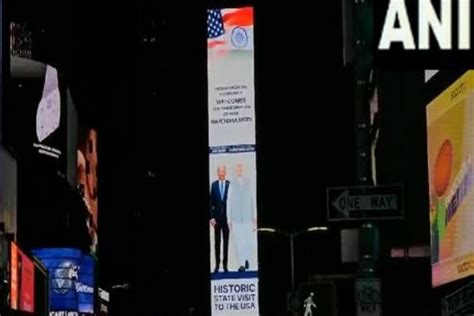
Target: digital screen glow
(22, 281)
(87, 166)
(450, 133)
(71, 277)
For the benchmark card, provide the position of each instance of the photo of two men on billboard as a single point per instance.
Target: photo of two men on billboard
(233, 216)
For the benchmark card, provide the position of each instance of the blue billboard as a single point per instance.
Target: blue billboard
(85, 286)
(71, 278)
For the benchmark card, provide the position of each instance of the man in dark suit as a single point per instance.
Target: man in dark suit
(219, 220)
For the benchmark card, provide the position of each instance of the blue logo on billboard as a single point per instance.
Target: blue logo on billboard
(239, 37)
(65, 277)
(84, 288)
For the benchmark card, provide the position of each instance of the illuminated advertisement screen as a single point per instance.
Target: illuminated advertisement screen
(232, 163)
(85, 287)
(71, 278)
(450, 124)
(37, 126)
(87, 164)
(22, 281)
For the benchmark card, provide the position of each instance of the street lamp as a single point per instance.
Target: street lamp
(291, 236)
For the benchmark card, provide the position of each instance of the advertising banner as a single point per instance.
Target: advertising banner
(85, 285)
(14, 295)
(36, 129)
(48, 115)
(87, 165)
(232, 162)
(22, 281)
(71, 280)
(450, 133)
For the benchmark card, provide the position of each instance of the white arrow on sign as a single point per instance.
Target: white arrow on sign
(347, 203)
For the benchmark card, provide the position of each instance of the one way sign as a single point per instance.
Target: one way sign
(364, 203)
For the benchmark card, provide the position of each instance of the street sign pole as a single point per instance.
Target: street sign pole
(363, 26)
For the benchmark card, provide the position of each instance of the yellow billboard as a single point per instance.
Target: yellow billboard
(450, 131)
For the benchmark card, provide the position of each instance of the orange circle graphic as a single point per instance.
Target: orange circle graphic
(442, 168)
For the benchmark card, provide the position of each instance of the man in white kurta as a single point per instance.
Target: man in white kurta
(242, 214)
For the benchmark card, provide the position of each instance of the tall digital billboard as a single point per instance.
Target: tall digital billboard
(232, 162)
(22, 281)
(450, 131)
(71, 280)
(87, 166)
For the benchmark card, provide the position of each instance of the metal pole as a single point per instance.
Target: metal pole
(292, 256)
(369, 236)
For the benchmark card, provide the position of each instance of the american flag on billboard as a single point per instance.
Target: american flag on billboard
(221, 22)
(215, 25)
